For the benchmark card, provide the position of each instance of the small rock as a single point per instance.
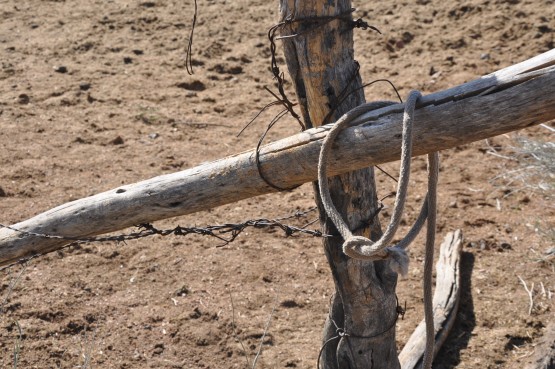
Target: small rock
(2, 192)
(290, 304)
(23, 99)
(544, 29)
(60, 69)
(158, 349)
(127, 60)
(85, 86)
(182, 291)
(153, 136)
(202, 342)
(485, 56)
(117, 141)
(451, 60)
(192, 86)
(138, 52)
(407, 37)
(227, 69)
(195, 314)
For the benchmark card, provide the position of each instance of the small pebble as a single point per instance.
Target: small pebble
(23, 99)
(484, 56)
(117, 141)
(192, 86)
(84, 86)
(60, 69)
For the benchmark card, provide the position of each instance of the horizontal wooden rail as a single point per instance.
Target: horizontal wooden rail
(510, 99)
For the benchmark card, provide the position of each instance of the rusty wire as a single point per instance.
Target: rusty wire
(189, 56)
(226, 233)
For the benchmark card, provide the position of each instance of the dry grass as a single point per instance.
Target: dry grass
(534, 171)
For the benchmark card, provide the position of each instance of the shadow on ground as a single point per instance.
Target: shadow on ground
(450, 354)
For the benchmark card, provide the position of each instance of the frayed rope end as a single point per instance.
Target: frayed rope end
(399, 260)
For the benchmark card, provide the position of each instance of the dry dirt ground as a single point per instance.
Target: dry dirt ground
(94, 94)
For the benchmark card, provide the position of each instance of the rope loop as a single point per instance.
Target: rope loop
(360, 247)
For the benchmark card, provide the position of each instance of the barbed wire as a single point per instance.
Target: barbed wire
(226, 232)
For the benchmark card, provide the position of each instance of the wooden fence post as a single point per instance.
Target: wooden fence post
(320, 61)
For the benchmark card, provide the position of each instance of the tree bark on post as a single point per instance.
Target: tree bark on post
(320, 59)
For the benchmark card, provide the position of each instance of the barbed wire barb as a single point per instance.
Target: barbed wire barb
(226, 232)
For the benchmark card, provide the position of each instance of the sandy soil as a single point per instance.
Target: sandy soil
(94, 94)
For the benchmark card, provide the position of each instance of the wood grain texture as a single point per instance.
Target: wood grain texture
(446, 302)
(517, 101)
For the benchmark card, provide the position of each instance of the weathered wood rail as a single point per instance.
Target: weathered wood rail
(510, 99)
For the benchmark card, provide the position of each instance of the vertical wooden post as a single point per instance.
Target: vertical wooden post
(320, 61)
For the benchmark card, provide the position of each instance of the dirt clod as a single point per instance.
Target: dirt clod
(193, 86)
(60, 69)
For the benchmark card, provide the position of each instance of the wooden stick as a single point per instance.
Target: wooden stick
(446, 302)
(511, 99)
(323, 71)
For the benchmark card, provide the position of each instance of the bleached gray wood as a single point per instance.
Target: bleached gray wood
(514, 74)
(465, 117)
(446, 302)
(321, 65)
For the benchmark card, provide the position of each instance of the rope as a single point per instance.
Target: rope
(362, 248)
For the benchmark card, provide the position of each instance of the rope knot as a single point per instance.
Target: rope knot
(355, 246)
(359, 247)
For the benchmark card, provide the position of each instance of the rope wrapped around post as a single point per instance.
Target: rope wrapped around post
(362, 248)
